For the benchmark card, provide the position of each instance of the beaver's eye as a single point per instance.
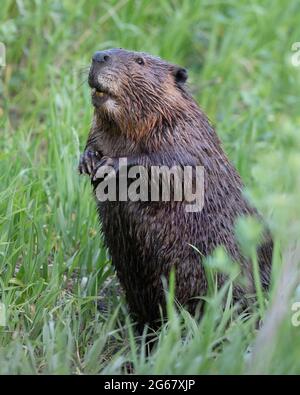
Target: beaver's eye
(140, 61)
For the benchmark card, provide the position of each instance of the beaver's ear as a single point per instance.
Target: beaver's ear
(180, 74)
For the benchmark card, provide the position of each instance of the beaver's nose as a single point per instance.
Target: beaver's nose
(101, 57)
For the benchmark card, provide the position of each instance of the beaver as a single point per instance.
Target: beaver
(144, 112)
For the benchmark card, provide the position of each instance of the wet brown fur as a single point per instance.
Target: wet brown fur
(155, 121)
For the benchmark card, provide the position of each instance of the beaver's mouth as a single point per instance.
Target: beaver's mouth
(99, 96)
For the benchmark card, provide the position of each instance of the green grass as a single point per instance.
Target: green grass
(53, 266)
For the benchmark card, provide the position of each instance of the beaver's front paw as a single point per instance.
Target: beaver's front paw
(89, 161)
(106, 167)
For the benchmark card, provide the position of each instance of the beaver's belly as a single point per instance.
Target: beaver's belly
(146, 241)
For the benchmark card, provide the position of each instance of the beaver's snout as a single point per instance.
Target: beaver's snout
(99, 78)
(100, 60)
(101, 57)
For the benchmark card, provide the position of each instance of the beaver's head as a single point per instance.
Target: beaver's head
(133, 87)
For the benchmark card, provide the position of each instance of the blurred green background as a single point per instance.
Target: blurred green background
(53, 268)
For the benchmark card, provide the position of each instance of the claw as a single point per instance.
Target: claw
(88, 162)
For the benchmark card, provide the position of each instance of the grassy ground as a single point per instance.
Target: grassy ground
(52, 265)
